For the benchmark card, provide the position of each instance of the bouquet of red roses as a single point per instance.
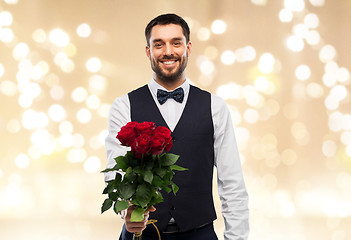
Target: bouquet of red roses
(146, 169)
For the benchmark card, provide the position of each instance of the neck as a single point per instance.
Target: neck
(170, 85)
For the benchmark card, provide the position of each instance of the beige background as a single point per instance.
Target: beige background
(282, 66)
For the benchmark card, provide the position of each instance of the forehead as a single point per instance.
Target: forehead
(166, 32)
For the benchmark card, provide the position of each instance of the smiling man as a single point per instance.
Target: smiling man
(203, 136)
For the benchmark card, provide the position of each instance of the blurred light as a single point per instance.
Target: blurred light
(5, 18)
(315, 90)
(66, 140)
(66, 127)
(317, 3)
(13, 126)
(327, 53)
(79, 94)
(83, 115)
(331, 67)
(103, 110)
(8, 88)
(301, 30)
(60, 57)
(245, 54)
(329, 79)
(6, 35)
(259, 2)
(76, 155)
(288, 157)
(266, 63)
(295, 43)
(230, 90)
(343, 75)
(335, 121)
(11, 1)
(44, 141)
(57, 92)
(331, 103)
(228, 57)
(252, 97)
(57, 113)
(78, 140)
(211, 52)
(313, 37)
(251, 116)
(97, 84)
(346, 138)
(70, 50)
(346, 122)
(93, 102)
(59, 37)
(92, 164)
(39, 36)
(84, 30)
(207, 67)
(294, 5)
(285, 15)
(20, 51)
(311, 20)
(261, 84)
(218, 26)
(329, 148)
(2, 70)
(339, 92)
(203, 34)
(22, 161)
(93, 64)
(303, 72)
(299, 132)
(67, 66)
(348, 150)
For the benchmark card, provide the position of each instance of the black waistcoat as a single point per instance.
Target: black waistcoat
(193, 141)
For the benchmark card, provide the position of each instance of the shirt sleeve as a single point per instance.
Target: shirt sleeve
(231, 185)
(118, 117)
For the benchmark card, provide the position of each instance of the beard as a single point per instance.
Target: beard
(166, 76)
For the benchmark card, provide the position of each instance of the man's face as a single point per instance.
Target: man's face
(168, 52)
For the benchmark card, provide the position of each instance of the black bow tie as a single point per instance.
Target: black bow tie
(177, 95)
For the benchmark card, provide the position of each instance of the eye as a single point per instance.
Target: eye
(158, 45)
(176, 43)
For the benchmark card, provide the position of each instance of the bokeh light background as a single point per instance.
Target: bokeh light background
(283, 67)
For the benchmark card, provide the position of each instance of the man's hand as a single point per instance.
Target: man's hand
(137, 226)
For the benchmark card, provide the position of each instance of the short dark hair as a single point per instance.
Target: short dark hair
(164, 19)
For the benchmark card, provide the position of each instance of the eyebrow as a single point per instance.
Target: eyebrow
(173, 39)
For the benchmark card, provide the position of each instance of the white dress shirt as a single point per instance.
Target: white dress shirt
(231, 186)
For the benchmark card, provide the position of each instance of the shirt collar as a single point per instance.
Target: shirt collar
(153, 86)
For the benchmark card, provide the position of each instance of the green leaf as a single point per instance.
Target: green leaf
(122, 162)
(121, 205)
(115, 168)
(113, 196)
(144, 194)
(168, 159)
(137, 215)
(148, 176)
(178, 168)
(149, 165)
(161, 172)
(167, 189)
(157, 181)
(126, 190)
(175, 188)
(106, 205)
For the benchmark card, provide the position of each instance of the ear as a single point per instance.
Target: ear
(147, 50)
(189, 47)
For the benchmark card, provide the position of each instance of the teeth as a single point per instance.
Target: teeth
(169, 62)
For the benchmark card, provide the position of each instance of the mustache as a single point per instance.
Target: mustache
(169, 57)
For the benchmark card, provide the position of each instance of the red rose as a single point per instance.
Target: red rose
(141, 145)
(158, 144)
(166, 134)
(145, 128)
(127, 134)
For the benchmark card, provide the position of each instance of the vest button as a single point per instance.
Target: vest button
(173, 208)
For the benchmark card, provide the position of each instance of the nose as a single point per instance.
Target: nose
(168, 49)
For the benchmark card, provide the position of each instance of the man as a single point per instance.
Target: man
(202, 134)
